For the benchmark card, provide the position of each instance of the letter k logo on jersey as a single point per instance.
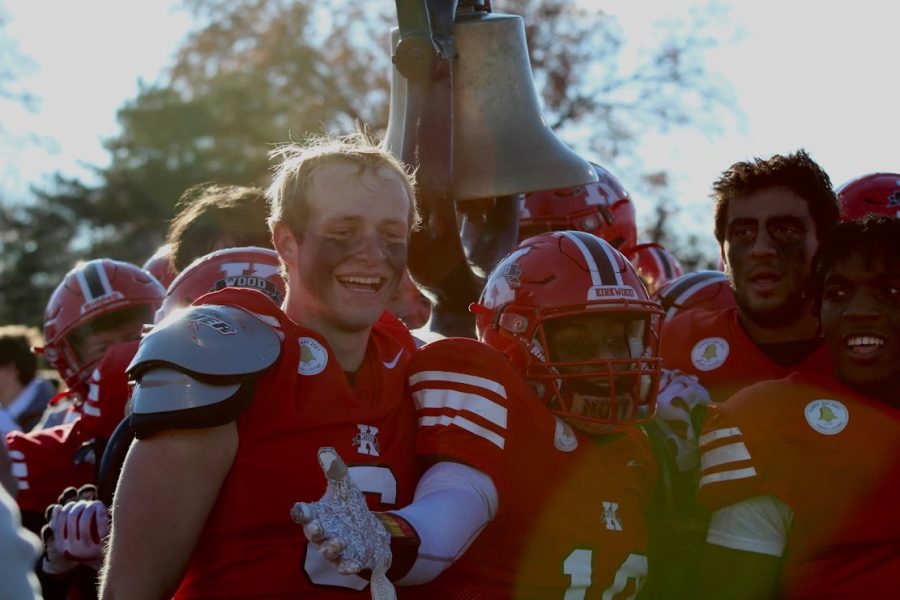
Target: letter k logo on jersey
(611, 516)
(366, 441)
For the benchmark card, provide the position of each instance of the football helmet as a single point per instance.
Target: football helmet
(707, 290)
(656, 265)
(98, 303)
(573, 316)
(160, 265)
(249, 267)
(603, 208)
(877, 193)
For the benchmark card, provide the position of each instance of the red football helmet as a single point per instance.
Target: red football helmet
(877, 193)
(656, 265)
(160, 265)
(603, 208)
(248, 267)
(706, 290)
(572, 315)
(98, 303)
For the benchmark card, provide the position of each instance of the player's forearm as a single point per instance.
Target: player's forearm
(167, 488)
(453, 504)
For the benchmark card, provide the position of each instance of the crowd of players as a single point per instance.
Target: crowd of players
(252, 413)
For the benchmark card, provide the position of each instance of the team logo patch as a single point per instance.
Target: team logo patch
(828, 417)
(313, 357)
(710, 353)
(366, 441)
(611, 516)
(564, 439)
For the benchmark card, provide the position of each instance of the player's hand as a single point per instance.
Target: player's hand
(342, 528)
(680, 410)
(75, 530)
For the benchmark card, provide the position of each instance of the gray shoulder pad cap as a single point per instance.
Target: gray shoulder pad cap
(209, 341)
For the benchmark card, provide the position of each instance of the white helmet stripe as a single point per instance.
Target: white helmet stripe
(93, 281)
(602, 273)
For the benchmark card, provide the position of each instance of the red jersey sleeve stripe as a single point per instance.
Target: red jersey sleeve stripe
(466, 424)
(450, 376)
(487, 409)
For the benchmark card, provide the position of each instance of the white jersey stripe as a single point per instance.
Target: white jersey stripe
(728, 475)
(91, 409)
(718, 434)
(453, 377)
(19, 470)
(466, 424)
(714, 457)
(473, 403)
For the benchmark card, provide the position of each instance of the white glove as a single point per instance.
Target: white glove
(680, 403)
(77, 531)
(343, 529)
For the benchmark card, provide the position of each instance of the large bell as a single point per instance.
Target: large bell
(501, 143)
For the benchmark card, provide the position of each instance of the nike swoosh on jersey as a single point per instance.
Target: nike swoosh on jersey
(390, 364)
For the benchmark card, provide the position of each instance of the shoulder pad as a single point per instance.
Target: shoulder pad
(210, 342)
(169, 399)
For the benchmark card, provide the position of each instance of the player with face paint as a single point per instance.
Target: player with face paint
(770, 215)
(803, 473)
(236, 395)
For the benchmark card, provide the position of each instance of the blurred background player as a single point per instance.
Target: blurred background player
(212, 216)
(98, 303)
(803, 473)
(604, 208)
(99, 306)
(704, 290)
(875, 193)
(655, 265)
(24, 394)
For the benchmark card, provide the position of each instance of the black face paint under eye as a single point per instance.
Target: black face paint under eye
(330, 252)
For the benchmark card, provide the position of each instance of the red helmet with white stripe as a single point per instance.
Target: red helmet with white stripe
(877, 193)
(656, 265)
(99, 303)
(250, 267)
(706, 290)
(603, 208)
(571, 313)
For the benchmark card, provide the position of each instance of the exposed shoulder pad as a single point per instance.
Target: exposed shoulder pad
(213, 343)
(168, 399)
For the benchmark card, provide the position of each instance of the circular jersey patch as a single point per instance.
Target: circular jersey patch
(313, 357)
(710, 353)
(564, 440)
(828, 417)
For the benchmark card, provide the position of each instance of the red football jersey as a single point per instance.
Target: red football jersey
(715, 347)
(571, 508)
(47, 461)
(108, 391)
(830, 454)
(249, 546)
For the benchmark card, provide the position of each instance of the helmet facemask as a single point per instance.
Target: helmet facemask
(599, 368)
